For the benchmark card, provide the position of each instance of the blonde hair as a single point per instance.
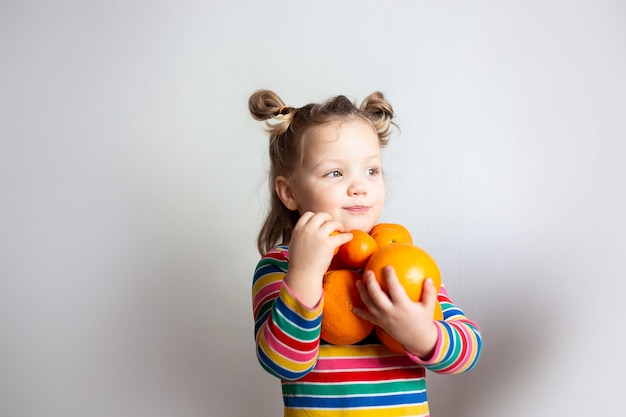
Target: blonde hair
(287, 127)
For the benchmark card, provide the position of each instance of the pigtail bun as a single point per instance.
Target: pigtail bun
(380, 112)
(265, 105)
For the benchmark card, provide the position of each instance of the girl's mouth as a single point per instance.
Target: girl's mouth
(357, 209)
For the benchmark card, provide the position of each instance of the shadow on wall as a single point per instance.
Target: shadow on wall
(196, 354)
(165, 346)
(516, 337)
(179, 342)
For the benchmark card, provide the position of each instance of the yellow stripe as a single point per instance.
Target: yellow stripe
(266, 280)
(445, 344)
(293, 304)
(336, 351)
(281, 360)
(474, 352)
(414, 411)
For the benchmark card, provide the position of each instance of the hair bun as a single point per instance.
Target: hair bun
(380, 112)
(265, 105)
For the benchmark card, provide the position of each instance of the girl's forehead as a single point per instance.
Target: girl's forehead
(351, 137)
(332, 130)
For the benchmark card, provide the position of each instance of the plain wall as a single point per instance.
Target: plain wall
(133, 185)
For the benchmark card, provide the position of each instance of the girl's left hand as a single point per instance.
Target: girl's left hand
(409, 322)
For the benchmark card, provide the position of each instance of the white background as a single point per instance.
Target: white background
(132, 186)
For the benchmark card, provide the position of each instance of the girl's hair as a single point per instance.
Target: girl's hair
(287, 128)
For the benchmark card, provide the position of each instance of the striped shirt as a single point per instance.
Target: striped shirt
(361, 380)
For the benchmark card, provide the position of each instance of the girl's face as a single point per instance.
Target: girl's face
(341, 175)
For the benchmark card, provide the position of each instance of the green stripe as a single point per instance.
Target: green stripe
(350, 388)
(445, 305)
(294, 331)
(455, 339)
(273, 262)
(264, 308)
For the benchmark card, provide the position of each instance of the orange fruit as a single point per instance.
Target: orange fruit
(340, 326)
(337, 248)
(387, 233)
(411, 264)
(337, 263)
(395, 346)
(438, 313)
(389, 342)
(357, 252)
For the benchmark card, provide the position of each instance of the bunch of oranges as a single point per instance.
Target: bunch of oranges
(386, 244)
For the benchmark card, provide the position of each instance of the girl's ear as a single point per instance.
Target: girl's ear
(285, 193)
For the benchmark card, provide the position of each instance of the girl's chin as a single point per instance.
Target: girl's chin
(365, 226)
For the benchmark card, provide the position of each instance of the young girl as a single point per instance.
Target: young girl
(326, 176)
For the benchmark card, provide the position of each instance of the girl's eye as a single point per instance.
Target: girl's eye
(373, 171)
(334, 174)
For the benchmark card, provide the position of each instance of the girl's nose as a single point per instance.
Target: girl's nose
(357, 188)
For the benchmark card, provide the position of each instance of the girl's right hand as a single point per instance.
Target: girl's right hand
(311, 250)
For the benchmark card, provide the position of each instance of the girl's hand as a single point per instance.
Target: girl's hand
(410, 323)
(311, 250)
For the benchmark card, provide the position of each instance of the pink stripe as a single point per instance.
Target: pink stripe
(310, 308)
(462, 363)
(265, 292)
(443, 292)
(285, 351)
(458, 362)
(339, 363)
(437, 353)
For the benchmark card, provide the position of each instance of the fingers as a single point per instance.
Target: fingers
(429, 294)
(315, 240)
(371, 310)
(396, 290)
(322, 226)
(373, 295)
(339, 239)
(379, 301)
(365, 314)
(320, 220)
(317, 220)
(363, 288)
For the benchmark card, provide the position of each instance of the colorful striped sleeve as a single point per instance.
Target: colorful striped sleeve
(459, 344)
(287, 333)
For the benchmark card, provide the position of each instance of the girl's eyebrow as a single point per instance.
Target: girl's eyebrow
(343, 160)
(373, 159)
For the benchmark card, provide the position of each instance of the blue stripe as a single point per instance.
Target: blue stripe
(450, 312)
(450, 351)
(479, 347)
(260, 322)
(264, 270)
(277, 370)
(356, 402)
(295, 318)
